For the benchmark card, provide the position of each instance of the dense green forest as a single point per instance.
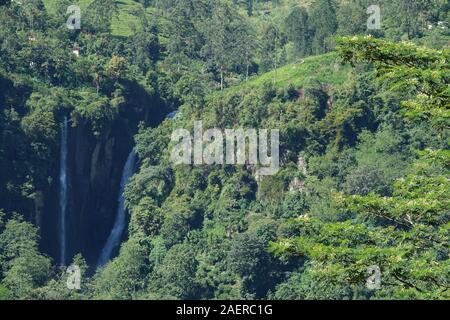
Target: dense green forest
(363, 117)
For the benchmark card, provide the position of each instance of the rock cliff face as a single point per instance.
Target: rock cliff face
(94, 172)
(95, 186)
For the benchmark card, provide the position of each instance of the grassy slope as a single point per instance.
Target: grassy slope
(323, 68)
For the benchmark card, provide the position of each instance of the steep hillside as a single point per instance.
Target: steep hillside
(325, 68)
(118, 162)
(212, 223)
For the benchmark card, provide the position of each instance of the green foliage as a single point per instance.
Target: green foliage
(299, 30)
(352, 18)
(154, 182)
(352, 191)
(271, 47)
(174, 277)
(324, 22)
(408, 67)
(250, 260)
(177, 223)
(310, 285)
(96, 109)
(220, 42)
(126, 275)
(406, 234)
(146, 47)
(4, 293)
(23, 268)
(294, 205)
(379, 161)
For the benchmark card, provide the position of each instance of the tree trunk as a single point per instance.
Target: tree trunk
(246, 72)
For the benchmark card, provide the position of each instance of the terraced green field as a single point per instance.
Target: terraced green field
(121, 24)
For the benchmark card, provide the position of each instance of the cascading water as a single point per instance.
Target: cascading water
(120, 222)
(63, 192)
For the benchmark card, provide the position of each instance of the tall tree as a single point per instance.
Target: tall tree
(185, 39)
(271, 42)
(352, 16)
(246, 45)
(323, 19)
(220, 47)
(299, 31)
(145, 44)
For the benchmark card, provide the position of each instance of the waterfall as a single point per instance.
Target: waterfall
(63, 192)
(120, 222)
